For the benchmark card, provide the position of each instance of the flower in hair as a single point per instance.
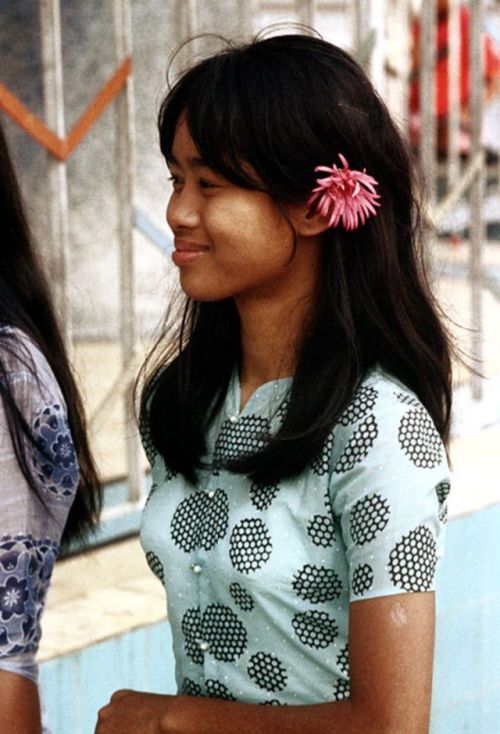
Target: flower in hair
(344, 195)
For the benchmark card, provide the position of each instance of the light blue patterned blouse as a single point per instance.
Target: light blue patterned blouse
(30, 533)
(259, 578)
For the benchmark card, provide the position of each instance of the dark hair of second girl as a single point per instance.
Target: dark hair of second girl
(25, 303)
(284, 105)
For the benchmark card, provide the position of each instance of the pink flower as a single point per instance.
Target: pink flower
(345, 195)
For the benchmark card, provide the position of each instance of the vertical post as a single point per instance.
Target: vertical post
(454, 67)
(376, 67)
(306, 10)
(192, 20)
(477, 189)
(427, 62)
(53, 89)
(125, 193)
(358, 29)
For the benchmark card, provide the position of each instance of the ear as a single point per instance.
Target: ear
(306, 221)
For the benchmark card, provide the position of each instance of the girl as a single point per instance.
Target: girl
(296, 433)
(48, 483)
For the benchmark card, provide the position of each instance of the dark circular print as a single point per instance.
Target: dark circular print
(241, 597)
(358, 445)
(361, 404)
(419, 439)
(190, 688)
(247, 436)
(191, 629)
(250, 545)
(343, 660)
(225, 634)
(216, 689)
(155, 565)
(412, 562)
(321, 531)
(321, 464)
(317, 584)
(267, 671)
(368, 518)
(341, 690)
(362, 579)
(315, 629)
(200, 521)
(262, 495)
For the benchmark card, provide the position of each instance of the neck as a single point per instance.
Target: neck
(271, 335)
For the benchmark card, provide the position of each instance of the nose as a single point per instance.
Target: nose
(183, 209)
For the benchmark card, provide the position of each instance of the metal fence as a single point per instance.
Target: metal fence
(130, 193)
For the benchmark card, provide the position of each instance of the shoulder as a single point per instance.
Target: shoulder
(26, 369)
(386, 421)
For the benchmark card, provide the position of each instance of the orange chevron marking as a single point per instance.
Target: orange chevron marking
(62, 148)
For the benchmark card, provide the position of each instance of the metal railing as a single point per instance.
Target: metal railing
(368, 23)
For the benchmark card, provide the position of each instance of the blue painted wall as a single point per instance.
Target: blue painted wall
(467, 669)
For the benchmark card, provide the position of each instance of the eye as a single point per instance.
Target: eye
(205, 183)
(176, 181)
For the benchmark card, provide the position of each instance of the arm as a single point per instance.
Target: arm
(391, 643)
(20, 707)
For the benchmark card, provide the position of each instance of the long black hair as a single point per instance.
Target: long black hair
(284, 105)
(25, 303)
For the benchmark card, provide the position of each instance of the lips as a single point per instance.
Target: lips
(187, 252)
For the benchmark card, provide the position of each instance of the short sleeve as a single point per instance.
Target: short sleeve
(388, 489)
(30, 529)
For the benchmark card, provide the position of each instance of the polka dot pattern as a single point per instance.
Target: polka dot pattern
(190, 688)
(341, 690)
(407, 399)
(250, 545)
(262, 495)
(191, 629)
(419, 439)
(343, 660)
(412, 562)
(147, 440)
(216, 689)
(247, 436)
(200, 521)
(272, 702)
(224, 633)
(321, 531)
(267, 671)
(361, 404)
(321, 464)
(155, 565)
(315, 629)
(317, 584)
(241, 597)
(362, 579)
(368, 518)
(442, 491)
(358, 445)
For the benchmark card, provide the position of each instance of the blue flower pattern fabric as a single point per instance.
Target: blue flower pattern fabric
(30, 531)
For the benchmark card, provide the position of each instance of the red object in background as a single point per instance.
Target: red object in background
(491, 66)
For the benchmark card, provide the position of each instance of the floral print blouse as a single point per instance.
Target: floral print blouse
(30, 530)
(259, 578)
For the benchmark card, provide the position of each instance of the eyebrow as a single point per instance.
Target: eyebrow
(194, 161)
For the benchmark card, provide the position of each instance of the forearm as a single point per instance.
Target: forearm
(187, 715)
(20, 705)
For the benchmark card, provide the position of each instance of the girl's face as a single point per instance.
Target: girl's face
(230, 242)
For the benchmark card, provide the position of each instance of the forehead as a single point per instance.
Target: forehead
(184, 151)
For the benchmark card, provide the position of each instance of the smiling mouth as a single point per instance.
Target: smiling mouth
(187, 252)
